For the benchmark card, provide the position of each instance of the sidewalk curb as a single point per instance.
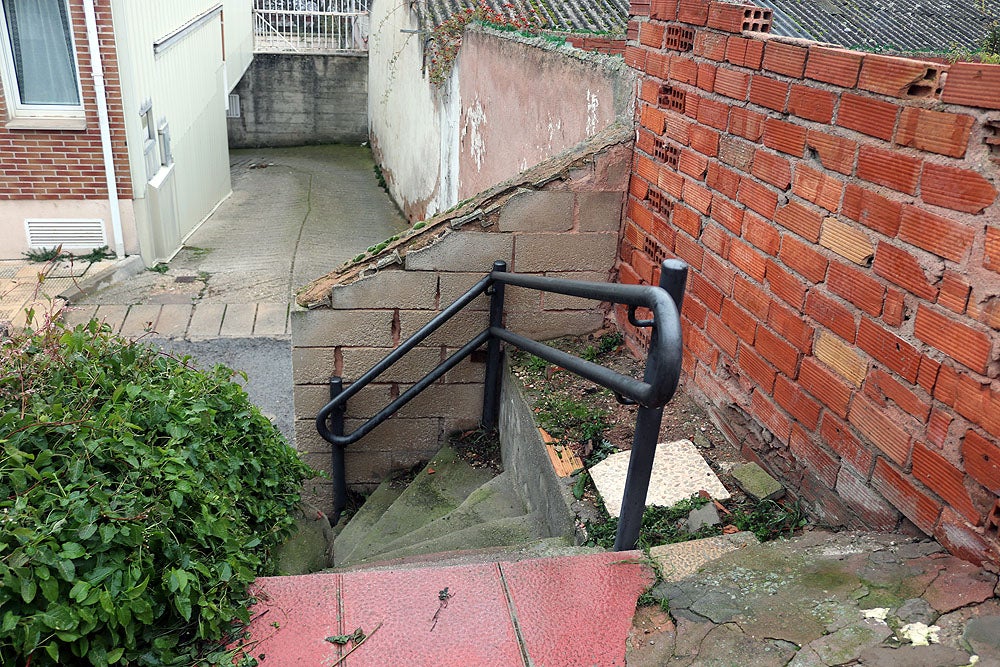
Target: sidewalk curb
(128, 267)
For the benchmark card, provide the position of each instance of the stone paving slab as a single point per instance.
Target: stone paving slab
(139, 321)
(42, 286)
(272, 319)
(206, 321)
(73, 315)
(173, 320)
(238, 320)
(679, 472)
(113, 315)
(557, 612)
(828, 599)
(681, 560)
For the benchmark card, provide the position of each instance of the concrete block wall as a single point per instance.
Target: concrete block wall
(561, 219)
(839, 212)
(296, 99)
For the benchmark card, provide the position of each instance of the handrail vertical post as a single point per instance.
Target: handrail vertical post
(491, 389)
(673, 278)
(339, 471)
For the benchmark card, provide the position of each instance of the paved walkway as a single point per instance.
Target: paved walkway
(818, 600)
(295, 214)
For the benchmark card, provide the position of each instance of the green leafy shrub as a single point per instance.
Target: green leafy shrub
(139, 498)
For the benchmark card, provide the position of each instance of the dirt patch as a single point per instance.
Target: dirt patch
(588, 418)
(479, 448)
(590, 421)
(651, 639)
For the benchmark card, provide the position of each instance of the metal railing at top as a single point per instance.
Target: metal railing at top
(660, 378)
(310, 26)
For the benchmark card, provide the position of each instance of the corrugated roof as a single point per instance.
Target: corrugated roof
(584, 15)
(880, 25)
(894, 25)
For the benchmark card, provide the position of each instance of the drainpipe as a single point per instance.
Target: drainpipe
(97, 71)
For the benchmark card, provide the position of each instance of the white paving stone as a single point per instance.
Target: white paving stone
(681, 560)
(679, 472)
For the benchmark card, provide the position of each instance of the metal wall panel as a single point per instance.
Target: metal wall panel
(171, 56)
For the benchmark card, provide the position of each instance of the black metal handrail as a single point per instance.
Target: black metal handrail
(662, 373)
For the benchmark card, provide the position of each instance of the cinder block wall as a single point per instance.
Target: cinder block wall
(839, 212)
(297, 99)
(561, 219)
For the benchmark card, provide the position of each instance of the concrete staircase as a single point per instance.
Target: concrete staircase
(453, 569)
(449, 506)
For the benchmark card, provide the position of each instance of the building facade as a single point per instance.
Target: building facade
(112, 121)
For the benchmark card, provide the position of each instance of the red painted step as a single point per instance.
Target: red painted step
(550, 612)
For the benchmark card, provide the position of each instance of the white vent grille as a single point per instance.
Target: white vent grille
(234, 106)
(67, 233)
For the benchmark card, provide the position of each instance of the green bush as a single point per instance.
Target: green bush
(139, 499)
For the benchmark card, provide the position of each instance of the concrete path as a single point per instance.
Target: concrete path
(294, 215)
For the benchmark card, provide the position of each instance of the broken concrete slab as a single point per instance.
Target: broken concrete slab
(755, 482)
(983, 635)
(705, 516)
(832, 599)
(679, 472)
(914, 656)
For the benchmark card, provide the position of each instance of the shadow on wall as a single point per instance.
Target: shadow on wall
(299, 99)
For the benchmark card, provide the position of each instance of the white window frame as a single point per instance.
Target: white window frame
(37, 116)
(163, 142)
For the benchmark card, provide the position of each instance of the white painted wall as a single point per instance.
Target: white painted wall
(510, 103)
(405, 112)
(188, 84)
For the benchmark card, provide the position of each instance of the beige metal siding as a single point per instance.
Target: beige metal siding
(187, 83)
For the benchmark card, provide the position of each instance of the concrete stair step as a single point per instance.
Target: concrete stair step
(546, 547)
(354, 531)
(439, 488)
(558, 612)
(496, 533)
(496, 499)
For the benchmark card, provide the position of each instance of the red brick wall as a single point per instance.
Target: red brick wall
(64, 164)
(839, 212)
(599, 44)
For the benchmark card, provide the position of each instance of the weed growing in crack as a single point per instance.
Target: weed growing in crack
(42, 255)
(769, 519)
(660, 525)
(571, 419)
(647, 599)
(607, 343)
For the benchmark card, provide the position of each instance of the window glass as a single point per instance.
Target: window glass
(149, 140)
(40, 40)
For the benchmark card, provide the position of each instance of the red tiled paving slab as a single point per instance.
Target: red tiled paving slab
(292, 620)
(577, 610)
(473, 630)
